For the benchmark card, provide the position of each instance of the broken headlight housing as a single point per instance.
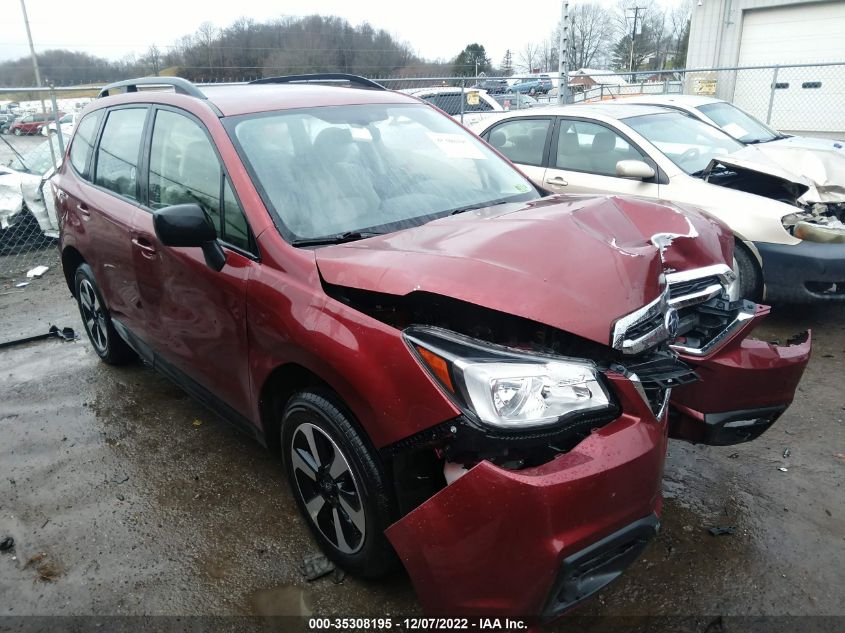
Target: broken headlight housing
(506, 388)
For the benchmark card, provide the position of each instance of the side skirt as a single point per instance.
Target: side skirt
(183, 380)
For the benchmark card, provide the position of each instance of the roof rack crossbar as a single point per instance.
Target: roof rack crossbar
(354, 80)
(180, 85)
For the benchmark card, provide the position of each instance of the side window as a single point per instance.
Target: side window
(83, 141)
(185, 169)
(521, 140)
(117, 153)
(235, 227)
(583, 146)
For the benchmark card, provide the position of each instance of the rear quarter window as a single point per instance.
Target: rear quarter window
(83, 142)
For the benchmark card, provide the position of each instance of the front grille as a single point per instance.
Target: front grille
(681, 288)
(644, 327)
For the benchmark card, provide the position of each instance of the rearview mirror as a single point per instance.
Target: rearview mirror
(189, 226)
(634, 169)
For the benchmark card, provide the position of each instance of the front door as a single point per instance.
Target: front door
(583, 159)
(195, 317)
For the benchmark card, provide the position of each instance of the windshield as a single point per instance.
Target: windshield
(689, 143)
(741, 125)
(335, 171)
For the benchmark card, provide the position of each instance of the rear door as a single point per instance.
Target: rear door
(583, 159)
(525, 141)
(194, 317)
(103, 202)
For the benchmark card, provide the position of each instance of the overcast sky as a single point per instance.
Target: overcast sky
(433, 28)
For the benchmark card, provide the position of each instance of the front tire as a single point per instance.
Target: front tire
(750, 276)
(98, 324)
(338, 484)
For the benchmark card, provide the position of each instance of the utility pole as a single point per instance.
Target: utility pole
(38, 81)
(563, 55)
(636, 11)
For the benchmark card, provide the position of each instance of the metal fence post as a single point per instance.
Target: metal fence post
(771, 94)
(58, 126)
(463, 96)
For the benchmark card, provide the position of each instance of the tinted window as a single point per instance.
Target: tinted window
(185, 169)
(83, 141)
(521, 140)
(117, 154)
(593, 148)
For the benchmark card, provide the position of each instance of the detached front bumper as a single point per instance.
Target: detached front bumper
(535, 542)
(803, 273)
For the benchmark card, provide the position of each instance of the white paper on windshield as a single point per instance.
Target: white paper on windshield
(737, 131)
(361, 133)
(456, 146)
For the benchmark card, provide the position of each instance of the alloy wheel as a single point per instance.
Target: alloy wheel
(93, 315)
(328, 489)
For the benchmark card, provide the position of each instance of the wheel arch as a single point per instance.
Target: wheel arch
(71, 260)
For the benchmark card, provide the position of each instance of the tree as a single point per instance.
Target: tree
(591, 34)
(471, 61)
(529, 58)
(507, 64)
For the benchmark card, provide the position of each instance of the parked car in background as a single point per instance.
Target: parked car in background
(517, 101)
(31, 123)
(6, 121)
(787, 250)
(468, 105)
(530, 86)
(493, 86)
(27, 212)
(66, 123)
(369, 293)
(819, 160)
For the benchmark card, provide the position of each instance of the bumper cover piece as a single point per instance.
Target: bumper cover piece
(744, 386)
(584, 573)
(494, 542)
(800, 273)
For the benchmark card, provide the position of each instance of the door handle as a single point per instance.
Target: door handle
(557, 181)
(145, 246)
(83, 209)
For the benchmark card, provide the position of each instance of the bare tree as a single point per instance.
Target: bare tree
(591, 35)
(529, 57)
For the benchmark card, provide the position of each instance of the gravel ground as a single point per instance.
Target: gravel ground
(126, 497)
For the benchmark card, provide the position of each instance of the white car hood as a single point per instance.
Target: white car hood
(821, 161)
(17, 188)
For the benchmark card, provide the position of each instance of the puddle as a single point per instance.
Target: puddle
(289, 600)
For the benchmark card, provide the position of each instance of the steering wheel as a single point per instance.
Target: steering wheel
(691, 154)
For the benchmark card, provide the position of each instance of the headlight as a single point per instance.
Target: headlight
(506, 388)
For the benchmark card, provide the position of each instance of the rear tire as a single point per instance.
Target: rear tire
(750, 276)
(338, 483)
(105, 340)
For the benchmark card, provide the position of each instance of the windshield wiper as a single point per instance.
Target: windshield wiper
(479, 205)
(340, 238)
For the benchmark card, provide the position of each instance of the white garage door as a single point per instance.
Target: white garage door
(806, 99)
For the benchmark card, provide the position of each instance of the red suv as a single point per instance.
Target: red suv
(32, 123)
(461, 372)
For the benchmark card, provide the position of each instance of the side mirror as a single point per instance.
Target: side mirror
(188, 225)
(636, 169)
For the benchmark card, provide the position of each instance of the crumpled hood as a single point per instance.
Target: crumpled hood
(19, 188)
(752, 159)
(821, 161)
(576, 263)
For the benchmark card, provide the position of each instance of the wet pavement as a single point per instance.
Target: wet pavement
(126, 497)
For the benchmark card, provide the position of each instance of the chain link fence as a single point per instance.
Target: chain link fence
(798, 99)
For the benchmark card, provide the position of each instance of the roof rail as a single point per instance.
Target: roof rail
(180, 85)
(354, 80)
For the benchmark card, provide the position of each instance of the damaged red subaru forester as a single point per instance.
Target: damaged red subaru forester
(461, 372)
